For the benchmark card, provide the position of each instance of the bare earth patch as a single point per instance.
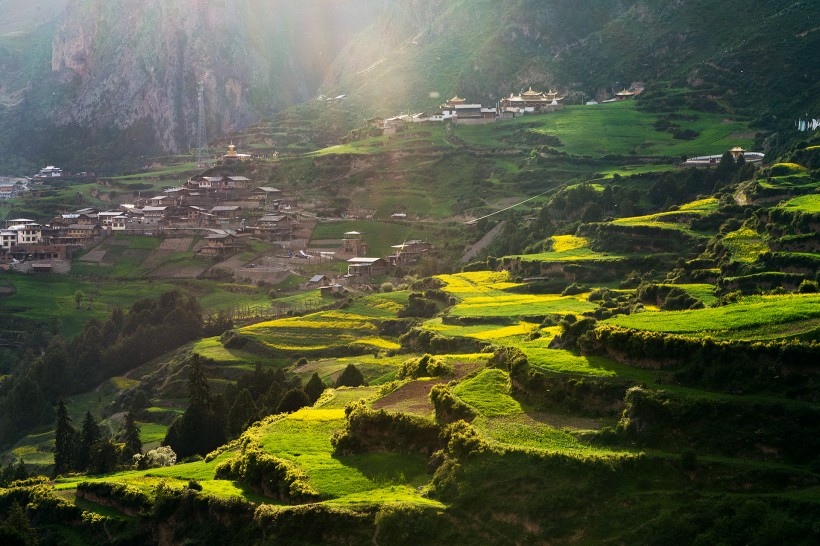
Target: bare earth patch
(95, 256)
(177, 244)
(414, 397)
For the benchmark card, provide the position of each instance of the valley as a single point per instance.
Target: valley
(545, 328)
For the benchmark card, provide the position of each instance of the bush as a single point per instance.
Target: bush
(386, 287)
(268, 475)
(448, 407)
(425, 366)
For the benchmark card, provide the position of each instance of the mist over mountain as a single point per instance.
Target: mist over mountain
(114, 79)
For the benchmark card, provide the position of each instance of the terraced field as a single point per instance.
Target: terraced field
(756, 317)
(484, 294)
(568, 248)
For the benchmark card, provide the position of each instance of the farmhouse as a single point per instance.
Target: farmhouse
(219, 244)
(366, 267)
(154, 216)
(317, 281)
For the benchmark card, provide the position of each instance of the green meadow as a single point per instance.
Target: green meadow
(618, 128)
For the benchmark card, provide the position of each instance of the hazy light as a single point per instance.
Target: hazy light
(434, 94)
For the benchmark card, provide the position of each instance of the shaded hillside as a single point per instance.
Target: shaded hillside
(757, 56)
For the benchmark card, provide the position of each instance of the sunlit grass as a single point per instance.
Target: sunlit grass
(745, 245)
(489, 393)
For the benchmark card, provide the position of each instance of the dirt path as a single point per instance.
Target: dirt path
(484, 242)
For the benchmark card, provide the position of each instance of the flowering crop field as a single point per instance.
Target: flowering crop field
(745, 245)
(358, 323)
(484, 294)
(566, 248)
(480, 331)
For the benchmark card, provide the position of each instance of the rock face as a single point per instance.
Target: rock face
(134, 61)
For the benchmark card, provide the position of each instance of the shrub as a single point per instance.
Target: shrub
(425, 366)
(268, 475)
(369, 430)
(448, 407)
(386, 287)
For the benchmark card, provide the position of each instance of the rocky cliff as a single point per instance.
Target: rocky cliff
(132, 61)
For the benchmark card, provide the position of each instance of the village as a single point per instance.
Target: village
(460, 112)
(223, 211)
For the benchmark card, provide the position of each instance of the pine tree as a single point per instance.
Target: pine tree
(130, 436)
(315, 387)
(17, 520)
(242, 411)
(350, 377)
(89, 436)
(64, 441)
(199, 392)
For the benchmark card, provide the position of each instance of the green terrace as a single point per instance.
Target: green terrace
(568, 248)
(753, 318)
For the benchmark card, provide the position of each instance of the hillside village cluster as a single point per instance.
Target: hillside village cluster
(460, 112)
(225, 208)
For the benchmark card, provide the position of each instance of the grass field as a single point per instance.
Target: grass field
(616, 128)
(756, 317)
(804, 203)
(380, 236)
(489, 393)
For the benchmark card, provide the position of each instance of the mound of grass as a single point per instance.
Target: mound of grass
(489, 393)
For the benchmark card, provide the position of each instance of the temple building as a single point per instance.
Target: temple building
(623, 95)
(531, 101)
(232, 156)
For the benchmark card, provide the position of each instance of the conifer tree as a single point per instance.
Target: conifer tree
(199, 392)
(89, 436)
(64, 441)
(350, 377)
(242, 411)
(130, 437)
(315, 387)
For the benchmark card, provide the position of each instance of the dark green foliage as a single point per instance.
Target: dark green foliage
(448, 407)
(203, 425)
(418, 306)
(128, 499)
(667, 297)
(367, 430)
(100, 351)
(17, 528)
(350, 377)
(130, 437)
(768, 431)
(269, 476)
(65, 441)
(89, 437)
(730, 366)
(243, 412)
(314, 387)
(293, 400)
(12, 473)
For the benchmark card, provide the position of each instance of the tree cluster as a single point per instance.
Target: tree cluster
(210, 419)
(86, 450)
(101, 350)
